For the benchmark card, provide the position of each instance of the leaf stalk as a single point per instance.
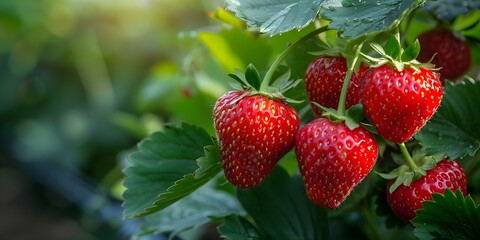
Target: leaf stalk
(269, 75)
(408, 159)
(346, 81)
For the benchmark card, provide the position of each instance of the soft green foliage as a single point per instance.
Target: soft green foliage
(161, 171)
(448, 216)
(454, 130)
(192, 211)
(238, 228)
(280, 202)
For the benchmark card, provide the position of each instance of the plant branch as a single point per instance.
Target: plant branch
(284, 54)
(346, 81)
(408, 159)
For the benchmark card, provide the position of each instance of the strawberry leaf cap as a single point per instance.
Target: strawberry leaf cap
(251, 81)
(405, 175)
(394, 55)
(352, 117)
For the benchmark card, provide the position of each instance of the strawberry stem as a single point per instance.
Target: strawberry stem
(268, 76)
(346, 81)
(408, 159)
(371, 223)
(474, 165)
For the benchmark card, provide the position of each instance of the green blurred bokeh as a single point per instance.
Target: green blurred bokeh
(81, 82)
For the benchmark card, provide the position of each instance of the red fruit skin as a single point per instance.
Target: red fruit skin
(453, 55)
(405, 200)
(397, 103)
(333, 159)
(324, 79)
(253, 133)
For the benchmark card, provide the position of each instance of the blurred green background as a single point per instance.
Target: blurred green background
(81, 82)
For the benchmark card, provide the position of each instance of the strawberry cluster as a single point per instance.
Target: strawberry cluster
(397, 94)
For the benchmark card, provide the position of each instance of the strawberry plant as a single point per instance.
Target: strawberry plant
(334, 126)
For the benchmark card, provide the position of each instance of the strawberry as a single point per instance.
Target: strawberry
(323, 83)
(253, 133)
(333, 159)
(399, 103)
(450, 54)
(405, 200)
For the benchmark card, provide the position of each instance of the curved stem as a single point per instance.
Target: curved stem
(474, 165)
(371, 224)
(408, 158)
(346, 82)
(273, 67)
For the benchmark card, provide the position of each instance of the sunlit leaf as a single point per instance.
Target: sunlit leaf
(275, 16)
(161, 171)
(234, 48)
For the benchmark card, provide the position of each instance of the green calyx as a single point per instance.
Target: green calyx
(251, 82)
(352, 116)
(394, 55)
(411, 168)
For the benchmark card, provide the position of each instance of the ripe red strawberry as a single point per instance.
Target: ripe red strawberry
(405, 200)
(333, 159)
(399, 103)
(323, 83)
(253, 132)
(453, 55)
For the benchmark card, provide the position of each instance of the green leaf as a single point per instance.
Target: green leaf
(449, 9)
(275, 16)
(238, 228)
(192, 211)
(253, 77)
(281, 209)
(161, 171)
(356, 112)
(448, 216)
(240, 79)
(411, 52)
(209, 164)
(393, 48)
(354, 18)
(453, 130)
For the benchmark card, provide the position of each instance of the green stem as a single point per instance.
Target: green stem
(408, 158)
(346, 82)
(371, 224)
(474, 165)
(284, 54)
